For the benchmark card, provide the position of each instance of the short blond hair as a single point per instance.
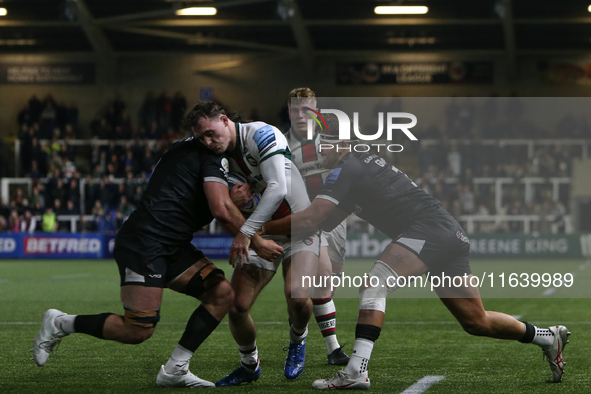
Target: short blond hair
(300, 92)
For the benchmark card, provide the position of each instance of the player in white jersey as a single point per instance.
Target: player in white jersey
(260, 152)
(332, 253)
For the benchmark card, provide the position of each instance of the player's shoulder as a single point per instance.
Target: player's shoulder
(263, 138)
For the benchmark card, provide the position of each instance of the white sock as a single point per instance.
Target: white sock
(180, 356)
(249, 356)
(359, 358)
(295, 337)
(325, 314)
(65, 323)
(543, 337)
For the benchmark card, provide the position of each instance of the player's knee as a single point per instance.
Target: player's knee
(240, 306)
(138, 335)
(205, 282)
(222, 295)
(298, 305)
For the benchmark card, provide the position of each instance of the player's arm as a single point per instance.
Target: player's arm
(304, 222)
(273, 172)
(230, 218)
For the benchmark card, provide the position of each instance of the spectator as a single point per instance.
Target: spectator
(3, 224)
(71, 209)
(467, 200)
(515, 209)
(14, 221)
(125, 207)
(148, 112)
(5, 209)
(49, 221)
(97, 207)
(58, 208)
(104, 222)
(35, 107)
(38, 196)
(28, 223)
(72, 116)
(454, 161)
(179, 106)
(118, 220)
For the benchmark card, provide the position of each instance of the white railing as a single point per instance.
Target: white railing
(529, 143)
(527, 221)
(498, 222)
(528, 182)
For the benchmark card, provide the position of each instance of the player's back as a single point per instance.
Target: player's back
(365, 184)
(174, 204)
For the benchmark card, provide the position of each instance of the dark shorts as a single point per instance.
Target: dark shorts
(153, 265)
(440, 242)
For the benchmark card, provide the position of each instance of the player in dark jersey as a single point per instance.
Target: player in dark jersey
(426, 239)
(153, 250)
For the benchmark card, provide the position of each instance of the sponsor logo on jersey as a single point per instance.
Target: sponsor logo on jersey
(309, 241)
(251, 160)
(265, 139)
(333, 176)
(225, 165)
(462, 237)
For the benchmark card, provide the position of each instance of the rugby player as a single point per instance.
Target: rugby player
(304, 153)
(153, 250)
(260, 153)
(426, 239)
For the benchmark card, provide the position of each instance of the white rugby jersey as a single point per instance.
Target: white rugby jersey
(304, 153)
(259, 146)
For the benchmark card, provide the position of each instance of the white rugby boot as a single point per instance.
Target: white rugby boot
(182, 378)
(342, 381)
(48, 338)
(555, 353)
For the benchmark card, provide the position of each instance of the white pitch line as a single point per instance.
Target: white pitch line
(423, 385)
(516, 317)
(4, 281)
(70, 276)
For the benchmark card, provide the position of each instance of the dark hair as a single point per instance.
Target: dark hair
(207, 109)
(332, 122)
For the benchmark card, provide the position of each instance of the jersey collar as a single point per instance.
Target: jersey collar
(292, 132)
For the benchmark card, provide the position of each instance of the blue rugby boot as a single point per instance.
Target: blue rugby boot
(296, 358)
(239, 376)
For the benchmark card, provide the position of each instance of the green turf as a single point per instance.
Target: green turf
(419, 338)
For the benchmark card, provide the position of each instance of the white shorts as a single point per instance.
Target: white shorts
(311, 244)
(335, 240)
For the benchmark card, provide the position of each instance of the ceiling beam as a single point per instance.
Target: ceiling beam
(198, 39)
(98, 40)
(300, 32)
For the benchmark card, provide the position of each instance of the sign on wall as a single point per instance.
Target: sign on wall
(63, 73)
(360, 73)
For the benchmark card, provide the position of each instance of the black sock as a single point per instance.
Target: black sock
(91, 324)
(530, 333)
(200, 325)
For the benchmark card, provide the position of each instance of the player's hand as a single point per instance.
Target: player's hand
(241, 194)
(239, 250)
(266, 249)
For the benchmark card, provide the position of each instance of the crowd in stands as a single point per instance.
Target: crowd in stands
(114, 175)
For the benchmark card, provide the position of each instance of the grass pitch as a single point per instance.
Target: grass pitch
(420, 338)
